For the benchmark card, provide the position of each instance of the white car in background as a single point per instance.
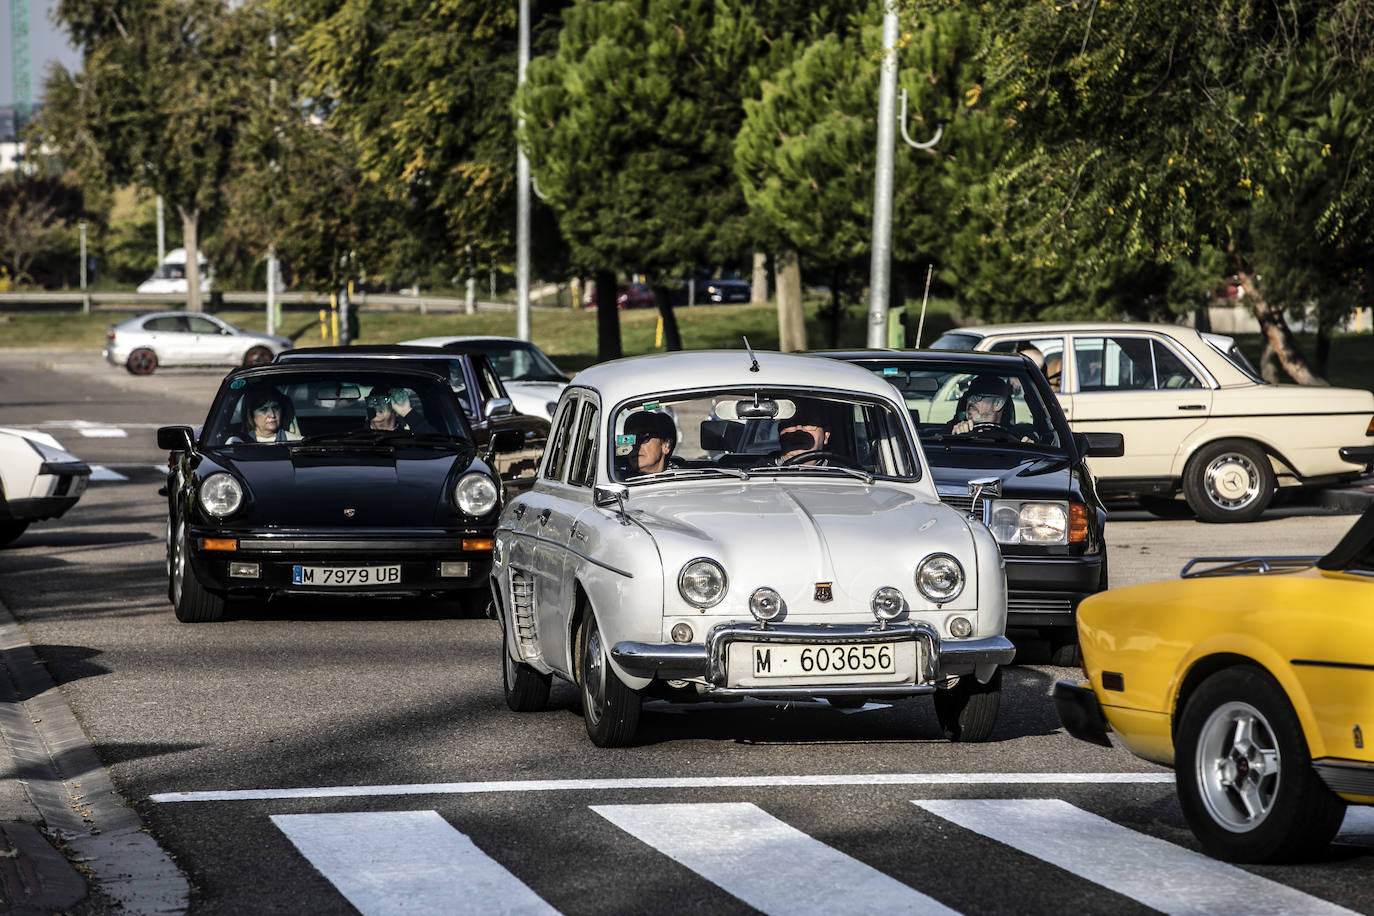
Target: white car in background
(38, 479)
(170, 275)
(531, 378)
(1195, 415)
(143, 343)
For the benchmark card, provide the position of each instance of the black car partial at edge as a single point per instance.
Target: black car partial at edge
(1040, 502)
(293, 488)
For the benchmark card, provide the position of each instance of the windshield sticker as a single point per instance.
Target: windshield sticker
(625, 439)
(237, 383)
(891, 370)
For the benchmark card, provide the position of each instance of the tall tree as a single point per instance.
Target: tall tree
(156, 103)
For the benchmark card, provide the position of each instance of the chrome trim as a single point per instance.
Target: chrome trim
(1350, 777)
(667, 660)
(987, 650)
(795, 693)
(577, 553)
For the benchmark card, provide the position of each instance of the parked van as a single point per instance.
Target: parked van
(170, 276)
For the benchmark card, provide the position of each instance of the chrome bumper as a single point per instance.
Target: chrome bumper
(707, 662)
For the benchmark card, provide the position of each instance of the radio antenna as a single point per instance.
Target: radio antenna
(753, 360)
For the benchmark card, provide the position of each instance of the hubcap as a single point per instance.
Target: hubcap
(594, 674)
(1232, 481)
(1237, 767)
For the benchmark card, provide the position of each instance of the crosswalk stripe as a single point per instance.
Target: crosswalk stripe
(100, 472)
(1152, 871)
(102, 432)
(404, 862)
(726, 844)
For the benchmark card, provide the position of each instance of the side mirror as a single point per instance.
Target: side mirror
(500, 407)
(610, 495)
(506, 440)
(175, 439)
(1100, 445)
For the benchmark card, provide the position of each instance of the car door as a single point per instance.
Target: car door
(212, 342)
(1138, 385)
(170, 338)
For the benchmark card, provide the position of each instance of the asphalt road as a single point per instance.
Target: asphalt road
(339, 757)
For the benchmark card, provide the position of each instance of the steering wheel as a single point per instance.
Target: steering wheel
(999, 432)
(803, 457)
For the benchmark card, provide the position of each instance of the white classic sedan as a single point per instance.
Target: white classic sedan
(144, 342)
(715, 525)
(1195, 415)
(38, 479)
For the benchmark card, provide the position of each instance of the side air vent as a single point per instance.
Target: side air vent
(522, 613)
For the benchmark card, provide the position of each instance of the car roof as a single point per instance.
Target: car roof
(929, 357)
(339, 367)
(635, 376)
(381, 351)
(1033, 328)
(441, 339)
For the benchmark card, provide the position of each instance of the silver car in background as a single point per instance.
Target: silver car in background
(143, 343)
(751, 563)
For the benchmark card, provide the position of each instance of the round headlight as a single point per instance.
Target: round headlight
(940, 577)
(475, 493)
(765, 604)
(887, 603)
(221, 494)
(702, 582)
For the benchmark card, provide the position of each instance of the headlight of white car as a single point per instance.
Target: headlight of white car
(475, 494)
(702, 583)
(221, 494)
(1013, 521)
(940, 577)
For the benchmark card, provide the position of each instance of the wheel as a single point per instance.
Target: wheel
(141, 362)
(610, 709)
(257, 356)
(1229, 481)
(526, 689)
(968, 710)
(10, 529)
(1166, 507)
(1064, 650)
(1244, 774)
(192, 602)
(170, 562)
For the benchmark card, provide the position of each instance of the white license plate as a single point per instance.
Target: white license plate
(345, 576)
(824, 661)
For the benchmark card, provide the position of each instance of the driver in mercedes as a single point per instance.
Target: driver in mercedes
(986, 403)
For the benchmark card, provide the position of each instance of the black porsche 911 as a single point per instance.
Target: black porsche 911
(993, 417)
(357, 480)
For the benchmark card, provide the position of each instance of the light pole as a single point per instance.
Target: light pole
(85, 296)
(522, 193)
(880, 268)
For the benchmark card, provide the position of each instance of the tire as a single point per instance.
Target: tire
(1064, 650)
(1230, 480)
(141, 362)
(257, 356)
(968, 710)
(1167, 507)
(10, 529)
(1240, 744)
(526, 689)
(191, 601)
(609, 708)
(171, 561)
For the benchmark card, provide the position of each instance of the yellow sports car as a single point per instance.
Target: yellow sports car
(1253, 677)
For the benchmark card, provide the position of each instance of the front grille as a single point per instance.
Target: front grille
(962, 502)
(1031, 603)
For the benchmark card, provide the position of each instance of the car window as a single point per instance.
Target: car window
(201, 325)
(1114, 363)
(951, 340)
(487, 381)
(1170, 369)
(757, 430)
(559, 439)
(515, 361)
(1009, 409)
(1227, 348)
(167, 323)
(315, 404)
(1051, 350)
(582, 471)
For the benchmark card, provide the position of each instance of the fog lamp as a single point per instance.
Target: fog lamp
(765, 604)
(887, 603)
(244, 570)
(682, 632)
(453, 569)
(960, 627)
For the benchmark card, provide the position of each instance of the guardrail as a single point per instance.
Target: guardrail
(108, 301)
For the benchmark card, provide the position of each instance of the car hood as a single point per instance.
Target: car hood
(791, 536)
(320, 491)
(534, 398)
(1027, 474)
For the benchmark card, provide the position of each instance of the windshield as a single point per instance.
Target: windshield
(971, 404)
(744, 432)
(318, 404)
(517, 362)
(952, 340)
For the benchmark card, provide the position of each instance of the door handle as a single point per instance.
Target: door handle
(1192, 407)
(544, 517)
(520, 511)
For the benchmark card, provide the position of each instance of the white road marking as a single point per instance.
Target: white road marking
(100, 472)
(1358, 827)
(103, 432)
(768, 864)
(1154, 872)
(668, 782)
(396, 862)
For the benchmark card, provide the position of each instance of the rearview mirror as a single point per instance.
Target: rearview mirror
(500, 407)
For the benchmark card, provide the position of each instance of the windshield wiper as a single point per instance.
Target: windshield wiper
(817, 468)
(672, 473)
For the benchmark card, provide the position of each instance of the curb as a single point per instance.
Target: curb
(72, 794)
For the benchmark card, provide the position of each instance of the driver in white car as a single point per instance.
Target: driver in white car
(804, 431)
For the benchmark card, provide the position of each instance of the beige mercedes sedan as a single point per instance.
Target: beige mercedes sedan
(1196, 416)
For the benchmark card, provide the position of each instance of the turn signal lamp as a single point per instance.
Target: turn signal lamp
(1078, 523)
